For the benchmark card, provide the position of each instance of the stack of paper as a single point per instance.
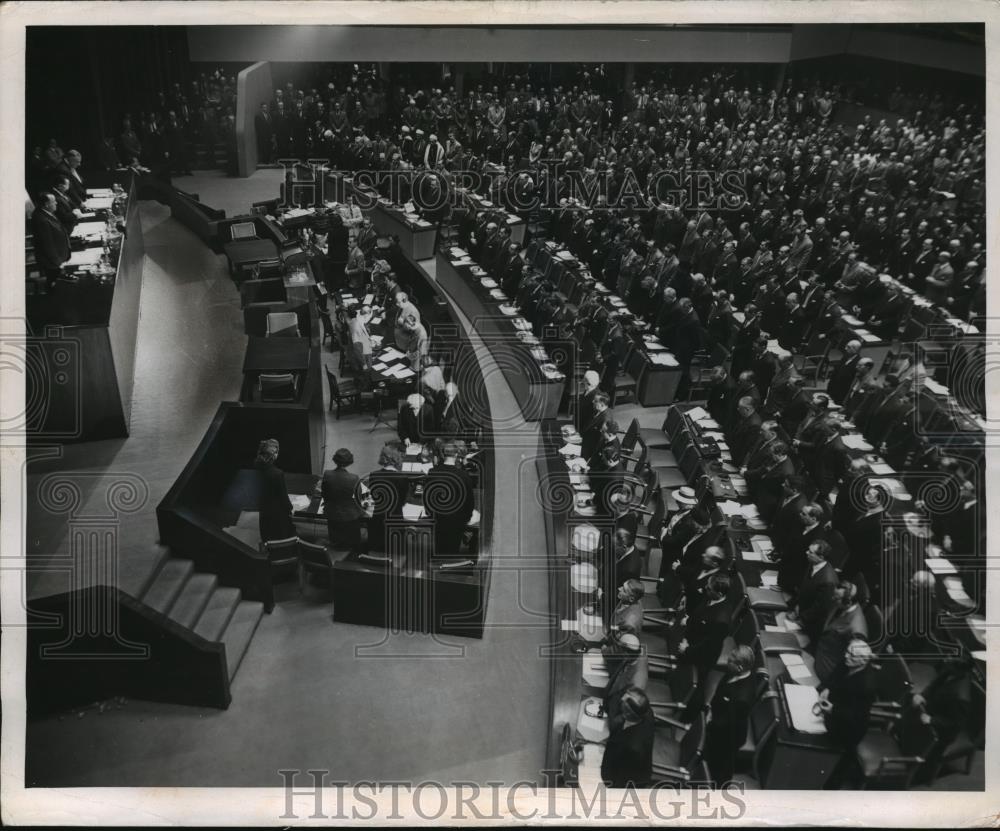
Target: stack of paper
(413, 512)
(796, 667)
(89, 230)
(391, 354)
(856, 442)
(696, 413)
(769, 579)
(956, 591)
(300, 501)
(103, 193)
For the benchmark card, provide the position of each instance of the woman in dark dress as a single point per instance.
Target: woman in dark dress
(275, 506)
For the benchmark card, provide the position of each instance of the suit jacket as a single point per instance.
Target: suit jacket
(64, 211)
(591, 434)
(449, 495)
(842, 627)
(841, 379)
(389, 489)
(744, 434)
(852, 696)
(77, 190)
(706, 630)
(340, 496)
(628, 756)
(416, 427)
(50, 239)
(816, 599)
(451, 419)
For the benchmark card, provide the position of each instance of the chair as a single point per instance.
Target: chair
(345, 390)
(277, 388)
(318, 560)
(673, 693)
(674, 477)
(893, 683)
(656, 457)
(282, 557)
(765, 715)
(283, 324)
(328, 330)
(677, 749)
(889, 758)
(970, 738)
(875, 621)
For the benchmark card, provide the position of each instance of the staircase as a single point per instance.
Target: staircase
(177, 636)
(197, 602)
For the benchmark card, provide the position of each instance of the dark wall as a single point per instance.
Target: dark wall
(79, 81)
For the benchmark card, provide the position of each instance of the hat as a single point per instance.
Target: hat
(420, 132)
(685, 496)
(343, 457)
(406, 129)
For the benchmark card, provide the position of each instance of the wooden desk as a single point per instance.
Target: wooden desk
(276, 354)
(248, 251)
(537, 394)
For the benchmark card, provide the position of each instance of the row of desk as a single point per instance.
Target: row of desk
(655, 370)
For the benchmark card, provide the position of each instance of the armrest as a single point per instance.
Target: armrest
(670, 722)
(670, 770)
(674, 705)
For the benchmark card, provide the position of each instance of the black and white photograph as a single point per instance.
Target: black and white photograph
(507, 413)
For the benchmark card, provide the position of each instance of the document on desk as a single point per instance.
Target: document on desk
(103, 193)
(856, 442)
(88, 230)
(769, 579)
(413, 512)
(940, 566)
(99, 203)
(391, 354)
(413, 450)
(663, 359)
(791, 659)
(882, 469)
(799, 672)
(379, 367)
(800, 701)
(696, 413)
(88, 256)
(300, 501)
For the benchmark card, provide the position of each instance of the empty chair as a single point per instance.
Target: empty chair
(890, 758)
(282, 557)
(765, 714)
(283, 324)
(328, 330)
(318, 561)
(893, 683)
(677, 749)
(276, 388)
(340, 391)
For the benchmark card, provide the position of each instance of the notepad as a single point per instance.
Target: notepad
(940, 566)
(791, 659)
(88, 256)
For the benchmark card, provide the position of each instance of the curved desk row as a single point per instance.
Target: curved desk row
(521, 359)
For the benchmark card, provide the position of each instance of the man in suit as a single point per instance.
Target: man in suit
(51, 240)
(793, 329)
(816, 594)
(845, 623)
(707, 626)
(766, 481)
(845, 701)
(415, 424)
(342, 503)
(730, 713)
(593, 431)
(844, 373)
(746, 430)
(66, 213)
(450, 415)
(623, 564)
(605, 467)
(70, 168)
(264, 129)
(449, 500)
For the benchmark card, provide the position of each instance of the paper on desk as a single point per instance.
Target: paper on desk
(868, 337)
(791, 659)
(799, 671)
(379, 367)
(423, 223)
(512, 219)
(570, 450)
(731, 508)
(300, 501)
(88, 229)
(88, 256)
(376, 321)
(403, 372)
(413, 450)
(569, 625)
(655, 346)
(391, 354)
(769, 579)
(99, 203)
(663, 359)
(416, 467)
(935, 387)
(413, 512)
(100, 192)
(856, 442)
(940, 566)
(800, 702)
(882, 468)
(575, 479)
(697, 413)
(769, 628)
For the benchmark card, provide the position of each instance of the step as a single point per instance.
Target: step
(193, 599)
(217, 612)
(138, 569)
(167, 585)
(240, 631)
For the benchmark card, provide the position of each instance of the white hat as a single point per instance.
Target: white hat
(685, 496)
(420, 132)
